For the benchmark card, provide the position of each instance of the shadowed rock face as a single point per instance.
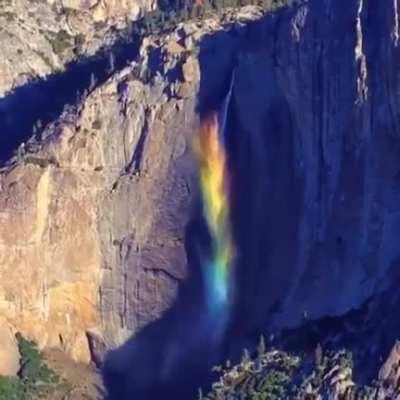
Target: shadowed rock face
(331, 214)
(314, 157)
(313, 150)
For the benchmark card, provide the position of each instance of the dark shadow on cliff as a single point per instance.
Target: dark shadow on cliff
(173, 356)
(368, 332)
(42, 101)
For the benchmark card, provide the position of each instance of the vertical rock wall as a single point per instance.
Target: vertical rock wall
(316, 146)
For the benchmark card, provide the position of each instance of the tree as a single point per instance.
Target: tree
(111, 62)
(184, 14)
(246, 356)
(261, 349)
(92, 84)
(146, 22)
(172, 17)
(162, 20)
(318, 355)
(130, 28)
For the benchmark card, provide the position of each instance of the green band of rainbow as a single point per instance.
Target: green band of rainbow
(214, 187)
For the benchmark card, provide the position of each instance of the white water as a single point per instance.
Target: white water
(223, 114)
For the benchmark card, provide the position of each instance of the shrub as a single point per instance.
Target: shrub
(61, 41)
(11, 388)
(34, 379)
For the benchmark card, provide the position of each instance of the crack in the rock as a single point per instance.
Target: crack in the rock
(162, 271)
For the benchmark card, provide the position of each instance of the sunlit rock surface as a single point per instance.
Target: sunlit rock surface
(92, 225)
(39, 38)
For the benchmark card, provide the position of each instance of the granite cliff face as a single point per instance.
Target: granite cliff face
(93, 235)
(99, 206)
(92, 223)
(323, 132)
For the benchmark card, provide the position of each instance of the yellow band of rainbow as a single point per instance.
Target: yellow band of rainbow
(214, 185)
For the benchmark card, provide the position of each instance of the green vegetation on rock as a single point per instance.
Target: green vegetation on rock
(266, 377)
(61, 41)
(167, 18)
(277, 375)
(11, 388)
(35, 379)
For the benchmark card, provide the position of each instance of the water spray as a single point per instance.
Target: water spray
(215, 187)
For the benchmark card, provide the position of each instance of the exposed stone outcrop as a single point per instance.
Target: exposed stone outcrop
(39, 37)
(389, 375)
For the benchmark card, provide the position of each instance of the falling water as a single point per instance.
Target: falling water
(214, 182)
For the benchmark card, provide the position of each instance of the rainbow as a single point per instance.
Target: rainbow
(214, 184)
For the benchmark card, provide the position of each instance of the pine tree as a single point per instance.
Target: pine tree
(111, 62)
(207, 6)
(153, 21)
(246, 356)
(192, 13)
(146, 22)
(318, 355)
(261, 349)
(172, 18)
(162, 20)
(185, 14)
(92, 84)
